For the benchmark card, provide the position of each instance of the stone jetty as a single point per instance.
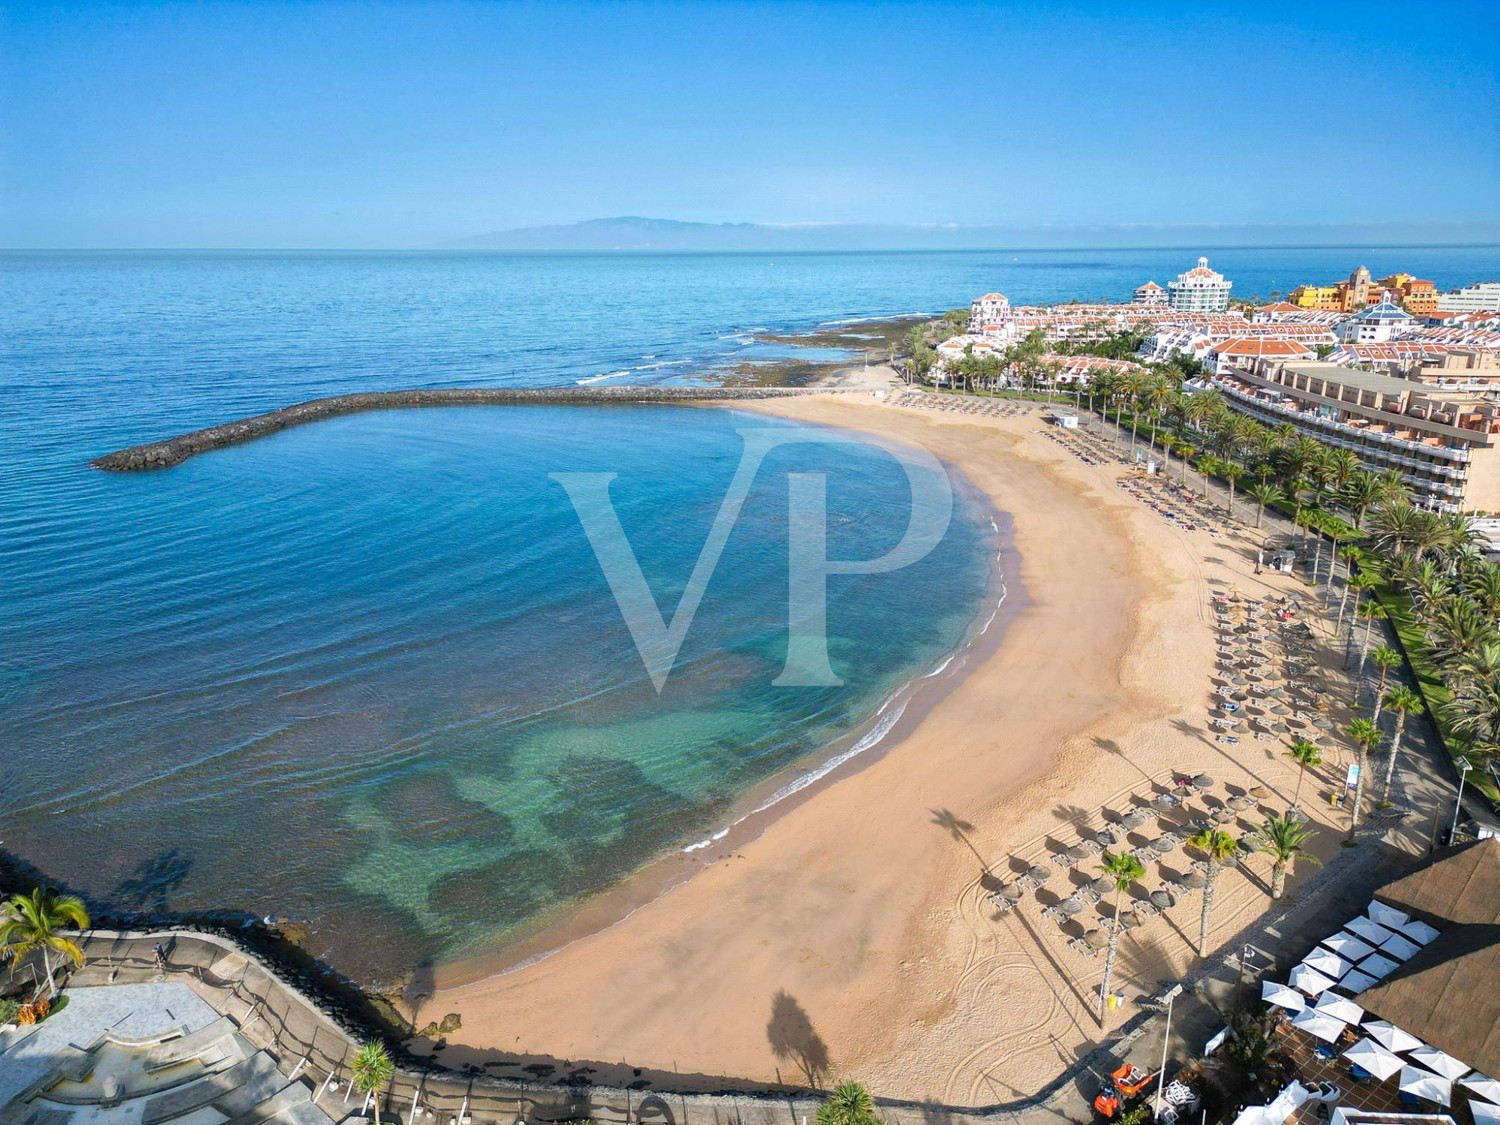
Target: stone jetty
(175, 450)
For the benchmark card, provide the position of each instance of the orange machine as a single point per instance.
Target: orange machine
(1125, 1083)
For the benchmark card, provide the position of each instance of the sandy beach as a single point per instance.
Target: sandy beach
(854, 937)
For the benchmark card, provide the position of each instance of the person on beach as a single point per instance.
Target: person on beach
(159, 955)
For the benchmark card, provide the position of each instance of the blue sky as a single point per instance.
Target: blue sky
(406, 125)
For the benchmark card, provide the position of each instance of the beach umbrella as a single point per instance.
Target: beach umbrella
(1221, 816)
(1070, 906)
(1097, 939)
(1279, 728)
(1011, 891)
(1356, 982)
(1101, 886)
(1281, 709)
(1163, 801)
(1282, 996)
(1309, 980)
(1347, 946)
(1398, 947)
(1318, 1025)
(1484, 1113)
(1136, 817)
(1368, 930)
(1322, 723)
(1240, 696)
(1194, 881)
(1239, 802)
(1130, 920)
(1162, 900)
(1108, 837)
(1377, 965)
(1340, 1009)
(1439, 1062)
(1040, 871)
(1391, 1037)
(1486, 1088)
(1163, 844)
(1259, 792)
(1424, 1084)
(1077, 851)
(1374, 1058)
(1203, 781)
(1419, 932)
(1330, 964)
(1387, 916)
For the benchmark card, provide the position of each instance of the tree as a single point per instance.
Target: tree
(1305, 754)
(1233, 474)
(1387, 658)
(1283, 839)
(35, 923)
(1218, 846)
(1366, 736)
(372, 1069)
(1395, 525)
(848, 1104)
(1402, 700)
(1263, 493)
(1372, 613)
(1474, 713)
(1123, 869)
(1359, 494)
(1351, 556)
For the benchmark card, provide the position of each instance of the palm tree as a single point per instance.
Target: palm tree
(1218, 846)
(1456, 630)
(1402, 700)
(1387, 658)
(848, 1104)
(34, 923)
(1124, 869)
(1474, 712)
(1305, 754)
(1263, 493)
(1394, 525)
(372, 1069)
(1360, 583)
(1233, 474)
(1359, 493)
(1365, 735)
(1484, 587)
(1284, 838)
(1372, 613)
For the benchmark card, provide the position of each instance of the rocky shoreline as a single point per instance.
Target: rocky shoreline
(175, 450)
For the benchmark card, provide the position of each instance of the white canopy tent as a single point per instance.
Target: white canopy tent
(1481, 1086)
(1377, 965)
(1399, 947)
(1387, 915)
(1368, 930)
(1282, 996)
(1424, 1084)
(1309, 980)
(1348, 946)
(1356, 982)
(1419, 931)
(1317, 1024)
(1389, 1036)
(1331, 1004)
(1329, 964)
(1485, 1113)
(1439, 1062)
(1374, 1058)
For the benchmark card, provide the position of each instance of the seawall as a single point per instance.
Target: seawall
(175, 450)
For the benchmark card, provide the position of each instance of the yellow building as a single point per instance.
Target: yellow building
(1315, 297)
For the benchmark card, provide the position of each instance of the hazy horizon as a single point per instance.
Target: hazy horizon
(402, 126)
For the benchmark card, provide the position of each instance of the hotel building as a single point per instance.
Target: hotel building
(1484, 297)
(1442, 443)
(1150, 294)
(1200, 289)
(1376, 325)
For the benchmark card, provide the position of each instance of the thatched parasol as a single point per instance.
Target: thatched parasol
(1040, 872)
(1194, 880)
(1097, 939)
(1161, 900)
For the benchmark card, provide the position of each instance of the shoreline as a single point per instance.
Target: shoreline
(784, 791)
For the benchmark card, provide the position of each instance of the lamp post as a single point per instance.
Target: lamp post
(1463, 772)
(1168, 996)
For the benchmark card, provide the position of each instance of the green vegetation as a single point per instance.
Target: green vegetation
(1305, 754)
(1284, 840)
(1122, 870)
(372, 1069)
(1218, 846)
(849, 1103)
(32, 923)
(1366, 736)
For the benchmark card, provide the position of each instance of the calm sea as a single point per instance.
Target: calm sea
(368, 673)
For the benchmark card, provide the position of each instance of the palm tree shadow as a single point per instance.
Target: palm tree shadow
(959, 830)
(792, 1038)
(1182, 726)
(1110, 746)
(150, 887)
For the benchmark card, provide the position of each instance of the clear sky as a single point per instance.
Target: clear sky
(304, 124)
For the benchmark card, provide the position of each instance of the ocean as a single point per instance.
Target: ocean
(368, 673)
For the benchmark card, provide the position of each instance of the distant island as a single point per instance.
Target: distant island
(635, 233)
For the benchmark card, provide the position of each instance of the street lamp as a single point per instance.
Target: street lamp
(1463, 772)
(1169, 995)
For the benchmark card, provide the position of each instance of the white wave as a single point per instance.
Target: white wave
(601, 378)
(939, 668)
(663, 363)
(869, 319)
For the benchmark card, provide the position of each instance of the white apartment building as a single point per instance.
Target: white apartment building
(1150, 294)
(1484, 297)
(1376, 325)
(1200, 289)
(991, 314)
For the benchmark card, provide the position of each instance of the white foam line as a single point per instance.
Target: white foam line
(869, 319)
(601, 378)
(939, 668)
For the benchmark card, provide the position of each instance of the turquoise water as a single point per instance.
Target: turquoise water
(368, 672)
